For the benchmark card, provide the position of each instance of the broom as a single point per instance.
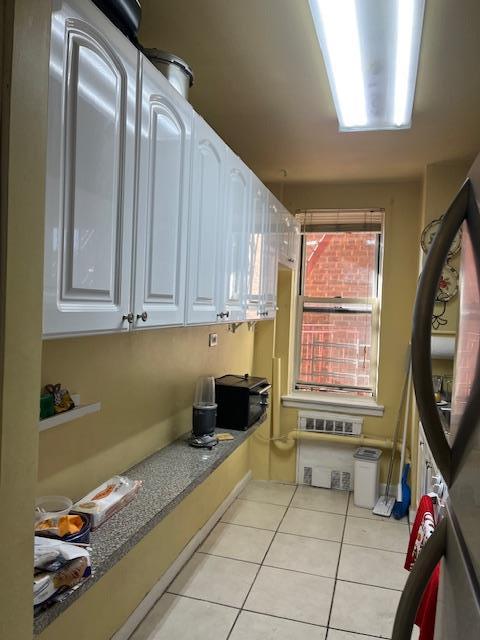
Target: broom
(385, 503)
(403, 491)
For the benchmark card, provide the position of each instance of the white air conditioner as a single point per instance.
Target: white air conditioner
(322, 463)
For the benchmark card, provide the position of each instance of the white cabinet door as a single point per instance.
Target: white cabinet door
(270, 267)
(288, 239)
(90, 176)
(284, 237)
(206, 210)
(163, 200)
(294, 244)
(258, 218)
(234, 239)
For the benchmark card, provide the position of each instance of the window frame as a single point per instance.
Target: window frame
(376, 302)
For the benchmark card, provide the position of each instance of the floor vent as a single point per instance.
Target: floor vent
(335, 423)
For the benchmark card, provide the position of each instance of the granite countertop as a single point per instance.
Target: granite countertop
(168, 476)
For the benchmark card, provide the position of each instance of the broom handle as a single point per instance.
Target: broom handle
(397, 428)
(404, 439)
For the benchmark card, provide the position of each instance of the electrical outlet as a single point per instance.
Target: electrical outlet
(212, 339)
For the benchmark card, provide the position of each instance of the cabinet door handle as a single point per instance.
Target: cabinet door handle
(220, 315)
(447, 460)
(142, 316)
(227, 314)
(291, 259)
(128, 318)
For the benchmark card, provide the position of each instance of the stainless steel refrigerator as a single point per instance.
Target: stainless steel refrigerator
(456, 540)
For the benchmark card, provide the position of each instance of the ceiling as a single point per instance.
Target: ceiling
(261, 84)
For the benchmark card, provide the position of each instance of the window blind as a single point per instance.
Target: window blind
(318, 220)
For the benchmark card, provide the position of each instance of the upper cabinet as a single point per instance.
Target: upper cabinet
(234, 239)
(151, 220)
(288, 239)
(205, 224)
(270, 258)
(90, 176)
(164, 133)
(256, 253)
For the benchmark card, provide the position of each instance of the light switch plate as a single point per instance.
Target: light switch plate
(212, 339)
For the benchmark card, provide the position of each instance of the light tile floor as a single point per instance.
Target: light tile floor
(287, 563)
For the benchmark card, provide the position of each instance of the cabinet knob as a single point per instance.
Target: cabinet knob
(142, 316)
(128, 318)
(227, 314)
(291, 259)
(220, 315)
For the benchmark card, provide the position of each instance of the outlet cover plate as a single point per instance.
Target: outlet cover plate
(212, 339)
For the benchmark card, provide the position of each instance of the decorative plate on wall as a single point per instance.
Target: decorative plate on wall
(448, 284)
(429, 233)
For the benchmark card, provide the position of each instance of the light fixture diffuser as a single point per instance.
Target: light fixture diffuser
(371, 50)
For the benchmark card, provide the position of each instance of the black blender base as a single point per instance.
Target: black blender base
(203, 442)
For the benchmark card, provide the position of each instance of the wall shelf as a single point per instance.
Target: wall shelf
(67, 416)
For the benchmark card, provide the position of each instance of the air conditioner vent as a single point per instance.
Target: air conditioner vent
(307, 475)
(337, 424)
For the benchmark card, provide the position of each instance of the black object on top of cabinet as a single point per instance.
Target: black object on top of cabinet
(241, 400)
(125, 15)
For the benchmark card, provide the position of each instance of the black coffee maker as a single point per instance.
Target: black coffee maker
(204, 414)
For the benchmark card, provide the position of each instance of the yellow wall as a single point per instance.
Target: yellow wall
(105, 607)
(402, 204)
(145, 382)
(24, 101)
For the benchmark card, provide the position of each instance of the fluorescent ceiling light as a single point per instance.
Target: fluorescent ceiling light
(371, 50)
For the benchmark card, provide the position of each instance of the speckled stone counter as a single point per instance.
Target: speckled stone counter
(168, 476)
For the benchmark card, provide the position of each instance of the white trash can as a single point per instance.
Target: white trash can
(366, 477)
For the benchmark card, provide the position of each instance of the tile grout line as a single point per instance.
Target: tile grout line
(261, 564)
(357, 633)
(338, 565)
(300, 535)
(390, 521)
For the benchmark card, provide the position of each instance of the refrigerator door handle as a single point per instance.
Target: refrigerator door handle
(417, 581)
(421, 336)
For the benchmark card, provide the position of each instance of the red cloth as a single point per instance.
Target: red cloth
(425, 618)
(422, 529)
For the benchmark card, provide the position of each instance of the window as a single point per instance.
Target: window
(339, 301)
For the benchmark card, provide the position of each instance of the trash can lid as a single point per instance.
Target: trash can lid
(367, 453)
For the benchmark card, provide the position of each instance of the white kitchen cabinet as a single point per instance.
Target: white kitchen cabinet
(90, 174)
(257, 231)
(165, 133)
(294, 243)
(234, 239)
(205, 225)
(284, 237)
(270, 258)
(289, 237)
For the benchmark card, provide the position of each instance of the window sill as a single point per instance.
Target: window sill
(330, 402)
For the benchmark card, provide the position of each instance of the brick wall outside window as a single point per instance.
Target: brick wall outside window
(336, 347)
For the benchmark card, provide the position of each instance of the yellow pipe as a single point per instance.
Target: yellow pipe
(362, 439)
(287, 442)
(276, 404)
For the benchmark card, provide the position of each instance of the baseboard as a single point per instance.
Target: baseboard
(158, 589)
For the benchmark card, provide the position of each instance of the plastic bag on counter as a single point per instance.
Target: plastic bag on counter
(58, 566)
(107, 499)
